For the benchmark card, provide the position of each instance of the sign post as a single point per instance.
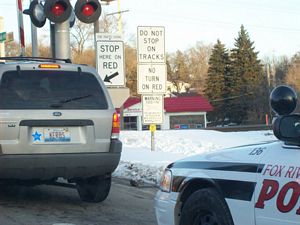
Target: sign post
(152, 130)
(152, 74)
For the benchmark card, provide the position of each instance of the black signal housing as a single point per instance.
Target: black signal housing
(88, 11)
(58, 11)
(36, 13)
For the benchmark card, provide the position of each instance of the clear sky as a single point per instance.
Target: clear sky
(273, 25)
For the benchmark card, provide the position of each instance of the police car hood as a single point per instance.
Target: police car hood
(246, 153)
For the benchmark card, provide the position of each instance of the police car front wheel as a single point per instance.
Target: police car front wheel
(205, 207)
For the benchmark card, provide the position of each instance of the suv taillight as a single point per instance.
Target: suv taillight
(115, 126)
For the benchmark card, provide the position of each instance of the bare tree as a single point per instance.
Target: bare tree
(197, 60)
(12, 48)
(131, 69)
(108, 24)
(293, 77)
(81, 33)
(189, 67)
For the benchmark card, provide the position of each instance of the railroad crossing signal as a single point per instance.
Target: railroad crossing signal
(58, 11)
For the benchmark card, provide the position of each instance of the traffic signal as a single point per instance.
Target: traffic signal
(58, 11)
(36, 13)
(88, 11)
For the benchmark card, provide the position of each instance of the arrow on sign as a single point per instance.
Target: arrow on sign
(108, 78)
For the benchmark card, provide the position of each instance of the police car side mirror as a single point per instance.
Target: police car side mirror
(287, 129)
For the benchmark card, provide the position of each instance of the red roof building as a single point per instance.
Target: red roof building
(187, 104)
(187, 112)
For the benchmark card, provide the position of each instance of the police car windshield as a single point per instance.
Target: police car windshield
(45, 89)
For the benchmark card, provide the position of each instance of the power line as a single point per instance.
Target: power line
(190, 20)
(239, 6)
(231, 98)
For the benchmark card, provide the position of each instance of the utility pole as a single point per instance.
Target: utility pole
(34, 40)
(52, 39)
(120, 18)
(62, 40)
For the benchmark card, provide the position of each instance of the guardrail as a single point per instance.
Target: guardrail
(242, 128)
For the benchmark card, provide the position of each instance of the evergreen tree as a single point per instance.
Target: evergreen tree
(216, 81)
(245, 79)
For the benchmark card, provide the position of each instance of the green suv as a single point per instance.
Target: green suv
(57, 121)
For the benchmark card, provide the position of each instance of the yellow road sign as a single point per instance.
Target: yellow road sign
(152, 127)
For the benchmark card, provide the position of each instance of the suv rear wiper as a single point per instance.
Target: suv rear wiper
(62, 102)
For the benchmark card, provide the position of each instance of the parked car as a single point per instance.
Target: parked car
(247, 185)
(57, 121)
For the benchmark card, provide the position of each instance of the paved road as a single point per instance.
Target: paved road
(50, 205)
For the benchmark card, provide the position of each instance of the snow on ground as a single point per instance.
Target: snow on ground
(140, 164)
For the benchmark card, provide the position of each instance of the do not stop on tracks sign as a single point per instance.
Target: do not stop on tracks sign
(110, 59)
(151, 44)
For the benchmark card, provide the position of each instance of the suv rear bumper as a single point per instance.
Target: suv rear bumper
(68, 166)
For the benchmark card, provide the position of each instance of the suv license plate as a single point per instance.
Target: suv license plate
(57, 135)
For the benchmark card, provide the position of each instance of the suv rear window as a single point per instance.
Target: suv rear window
(50, 90)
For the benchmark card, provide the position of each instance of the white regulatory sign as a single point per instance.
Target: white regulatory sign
(110, 62)
(151, 44)
(153, 109)
(152, 78)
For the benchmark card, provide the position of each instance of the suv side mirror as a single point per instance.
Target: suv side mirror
(287, 129)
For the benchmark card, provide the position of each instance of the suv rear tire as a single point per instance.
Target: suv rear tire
(94, 189)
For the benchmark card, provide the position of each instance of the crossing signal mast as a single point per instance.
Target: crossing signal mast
(62, 15)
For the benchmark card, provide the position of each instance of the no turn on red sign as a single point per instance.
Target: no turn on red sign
(152, 78)
(151, 44)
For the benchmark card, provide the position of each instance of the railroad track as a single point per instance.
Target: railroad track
(241, 128)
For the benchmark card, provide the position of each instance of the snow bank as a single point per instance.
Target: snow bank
(140, 164)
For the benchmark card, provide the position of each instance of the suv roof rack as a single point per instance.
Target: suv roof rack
(38, 59)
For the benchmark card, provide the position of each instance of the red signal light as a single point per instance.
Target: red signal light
(58, 9)
(88, 10)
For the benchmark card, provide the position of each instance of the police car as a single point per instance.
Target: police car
(255, 184)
